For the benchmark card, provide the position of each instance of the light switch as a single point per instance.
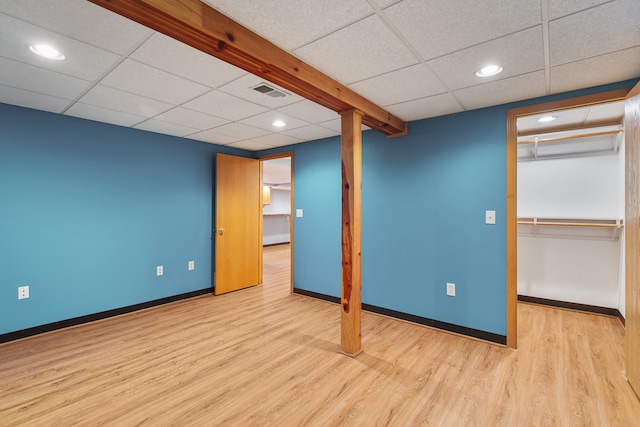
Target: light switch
(490, 217)
(298, 213)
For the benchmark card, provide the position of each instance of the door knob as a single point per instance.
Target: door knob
(221, 231)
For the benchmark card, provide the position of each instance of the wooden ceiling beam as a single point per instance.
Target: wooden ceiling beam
(204, 28)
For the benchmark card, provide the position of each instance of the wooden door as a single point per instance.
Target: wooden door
(632, 236)
(238, 250)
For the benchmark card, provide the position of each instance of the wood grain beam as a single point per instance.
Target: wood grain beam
(351, 304)
(204, 28)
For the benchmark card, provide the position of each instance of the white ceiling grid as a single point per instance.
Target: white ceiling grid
(415, 58)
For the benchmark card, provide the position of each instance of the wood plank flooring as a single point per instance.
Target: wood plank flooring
(263, 357)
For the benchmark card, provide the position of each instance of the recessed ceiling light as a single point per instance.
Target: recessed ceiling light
(546, 119)
(46, 51)
(279, 124)
(489, 70)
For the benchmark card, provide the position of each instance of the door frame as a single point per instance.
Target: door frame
(291, 210)
(512, 213)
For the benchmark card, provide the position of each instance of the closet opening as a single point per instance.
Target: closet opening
(570, 208)
(565, 205)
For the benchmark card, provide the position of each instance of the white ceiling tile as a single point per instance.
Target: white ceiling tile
(276, 139)
(309, 111)
(386, 3)
(290, 24)
(432, 106)
(414, 82)
(213, 137)
(311, 133)
(35, 79)
(134, 77)
(228, 107)
(559, 8)
(239, 130)
(82, 60)
(180, 59)
(264, 120)
(158, 126)
(276, 172)
(115, 99)
(80, 20)
(99, 114)
(525, 86)
(436, 28)
(190, 118)
(243, 88)
(457, 70)
(250, 145)
(360, 51)
(35, 100)
(336, 125)
(602, 29)
(596, 71)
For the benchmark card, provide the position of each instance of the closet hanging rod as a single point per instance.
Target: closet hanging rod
(614, 224)
(561, 138)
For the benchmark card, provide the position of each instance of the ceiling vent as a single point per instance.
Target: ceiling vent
(268, 90)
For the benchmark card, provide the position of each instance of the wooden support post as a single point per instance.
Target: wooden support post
(350, 343)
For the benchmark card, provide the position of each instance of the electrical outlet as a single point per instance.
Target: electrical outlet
(159, 270)
(451, 289)
(23, 292)
(192, 265)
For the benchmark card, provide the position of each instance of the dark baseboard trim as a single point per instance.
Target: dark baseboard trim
(316, 295)
(573, 306)
(24, 333)
(275, 244)
(449, 327)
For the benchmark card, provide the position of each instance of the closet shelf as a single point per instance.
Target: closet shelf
(561, 145)
(600, 229)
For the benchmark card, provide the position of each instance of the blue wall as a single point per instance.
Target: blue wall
(317, 237)
(424, 202)
(424, 198)
(87, 211)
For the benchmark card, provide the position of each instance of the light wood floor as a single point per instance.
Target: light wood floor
(263, 357)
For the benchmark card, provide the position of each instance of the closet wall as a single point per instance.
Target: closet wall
(582, 265)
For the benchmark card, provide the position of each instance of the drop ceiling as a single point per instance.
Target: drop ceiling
(415, 58)
(276, 173)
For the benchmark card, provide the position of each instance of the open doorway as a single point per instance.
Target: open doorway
(277, 224)
(570, 207)
(522, 145)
